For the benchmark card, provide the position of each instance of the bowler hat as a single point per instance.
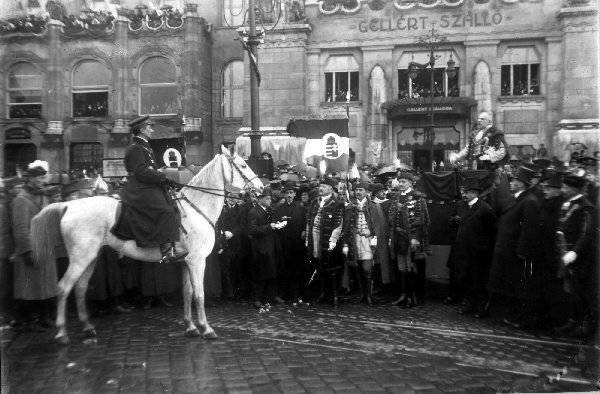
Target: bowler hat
(139, 121)
(574, 181)
(552, 178)
(471, 184)
(525, 175)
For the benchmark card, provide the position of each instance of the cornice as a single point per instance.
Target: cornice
(569, 12)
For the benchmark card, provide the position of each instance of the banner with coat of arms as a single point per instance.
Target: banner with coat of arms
(326, 139)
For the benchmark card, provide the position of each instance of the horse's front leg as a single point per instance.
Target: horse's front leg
(197, 276)
(190, 328)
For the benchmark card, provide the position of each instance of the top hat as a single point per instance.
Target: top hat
(471, 184)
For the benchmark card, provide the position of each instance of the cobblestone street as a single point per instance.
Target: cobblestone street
(295, 349)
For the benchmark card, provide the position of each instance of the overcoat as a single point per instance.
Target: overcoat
(576, 222)
(149, 215)
(39, 281)
(230, 220)
(516, 245)
(290, 237)
(474, 244)
(263, 243)
(382, 251)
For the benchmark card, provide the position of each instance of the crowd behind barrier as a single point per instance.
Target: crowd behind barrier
(523, 238)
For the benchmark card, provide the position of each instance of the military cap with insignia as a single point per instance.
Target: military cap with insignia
(136, 124)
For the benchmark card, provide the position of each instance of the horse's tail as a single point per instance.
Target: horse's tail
(45, 231)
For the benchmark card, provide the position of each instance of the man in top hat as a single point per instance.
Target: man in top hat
(485, 145)
(359, 239)
(473, 245)
(517, 246)
(409, 238)
(149, 215)
(229, 243)
(323, 231)
(265, 249)
(291, 237)
(35, 282)
(578, 255)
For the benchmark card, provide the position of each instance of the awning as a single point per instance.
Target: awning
(570, 139)
(412, 138)
(452, 106)
(280, 145)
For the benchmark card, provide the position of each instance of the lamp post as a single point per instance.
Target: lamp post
(250, 40)
(432, 42)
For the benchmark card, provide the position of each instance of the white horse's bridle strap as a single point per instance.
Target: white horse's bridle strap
(184, 198)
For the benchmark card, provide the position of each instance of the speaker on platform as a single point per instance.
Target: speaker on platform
(262, 166)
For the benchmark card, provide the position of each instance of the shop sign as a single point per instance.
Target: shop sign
(18, 134)
(114, 168)
(444, 21)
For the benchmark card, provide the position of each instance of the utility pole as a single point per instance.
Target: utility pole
(253, 41)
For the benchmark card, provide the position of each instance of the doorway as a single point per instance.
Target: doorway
(18, 156)
(422, 158)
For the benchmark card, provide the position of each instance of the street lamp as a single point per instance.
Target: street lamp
(431, 41)
(250, 40)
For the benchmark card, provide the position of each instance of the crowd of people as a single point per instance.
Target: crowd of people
(524, 246)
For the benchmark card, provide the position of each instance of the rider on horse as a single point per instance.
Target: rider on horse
(149, 216)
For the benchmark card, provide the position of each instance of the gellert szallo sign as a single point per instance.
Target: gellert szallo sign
(445, 21)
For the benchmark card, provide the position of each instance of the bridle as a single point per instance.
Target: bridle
(215, 191)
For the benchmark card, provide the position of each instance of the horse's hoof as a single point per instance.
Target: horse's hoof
(192, 333)
(62, 340)
(210, 335)
(90, 333)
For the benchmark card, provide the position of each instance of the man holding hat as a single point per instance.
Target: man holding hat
(473, 245)
(35, 282)
(149, 215)
(578, 254)
(517, 246)
(292, 236)
(323, 231)
(265, 249)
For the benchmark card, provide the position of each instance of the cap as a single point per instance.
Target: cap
(574, 181)
(139, 121)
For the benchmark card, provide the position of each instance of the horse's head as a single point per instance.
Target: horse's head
(240, 173)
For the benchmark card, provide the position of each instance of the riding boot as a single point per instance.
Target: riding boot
(368, 275)
(401, 301)
(334, 289)
(360, 281)
(410, 290)
(170, 254)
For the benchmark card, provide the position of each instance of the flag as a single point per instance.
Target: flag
(326, 139)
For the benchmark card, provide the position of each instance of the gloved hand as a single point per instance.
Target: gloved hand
(373, 242)
(569, 257)
(27, 258)
(228, 234)
(345, 250)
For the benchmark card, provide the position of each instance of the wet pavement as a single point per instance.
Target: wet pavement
(289, 349)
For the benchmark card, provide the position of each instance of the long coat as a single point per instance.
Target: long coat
(263, 243)
(149, 215)
(576, 222)
(230, 220)
(382, 252)
(474, 244)
(37, 282)
(292, 244)
(517, 239)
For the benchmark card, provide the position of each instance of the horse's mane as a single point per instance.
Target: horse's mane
(207, 174)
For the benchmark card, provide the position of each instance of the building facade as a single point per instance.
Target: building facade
(78, 70)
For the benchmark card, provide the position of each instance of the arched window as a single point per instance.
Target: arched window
(89, 88)
(341, 79)
(233, 12)
(520, 72)
(158, 87)
(232, 98)
(24, 91)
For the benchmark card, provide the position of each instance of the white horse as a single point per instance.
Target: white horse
(84, 227)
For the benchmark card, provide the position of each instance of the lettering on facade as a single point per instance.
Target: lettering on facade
(426, 109)
(445, 21)
(17, 134)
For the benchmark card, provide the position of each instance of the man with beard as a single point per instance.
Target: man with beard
(516, 247)
(323, 231)
(485, 146)
(291, 262)
(578, 256)
(473, 246)
(359, 237)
